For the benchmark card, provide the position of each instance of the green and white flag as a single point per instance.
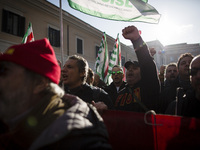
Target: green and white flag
(115, 58)
(101, 64)
(120, 10)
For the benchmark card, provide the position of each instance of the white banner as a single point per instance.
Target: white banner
(120, 10)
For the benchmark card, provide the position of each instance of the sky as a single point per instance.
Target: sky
(179, 22)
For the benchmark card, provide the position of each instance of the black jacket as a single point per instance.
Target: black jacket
(147, 89)
(168, 94)
(112, 90)
(56, 124)
(191, 105)
(91, 93)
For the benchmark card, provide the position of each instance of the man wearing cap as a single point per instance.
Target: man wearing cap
(32, 113)
(142, 90)
(117, 84)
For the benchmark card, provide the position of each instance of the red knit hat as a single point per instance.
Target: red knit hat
(37, 56)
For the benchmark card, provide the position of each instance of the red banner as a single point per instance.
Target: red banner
(139, 131)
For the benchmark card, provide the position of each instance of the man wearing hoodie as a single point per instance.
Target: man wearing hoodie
(142, 90)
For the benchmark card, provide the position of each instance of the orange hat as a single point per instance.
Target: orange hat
(37, 56)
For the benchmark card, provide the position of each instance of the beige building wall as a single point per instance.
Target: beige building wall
(43, 15)
(170, 53)
(173, 52)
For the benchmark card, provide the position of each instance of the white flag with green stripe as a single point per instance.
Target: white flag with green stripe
(121, 10)
(101, 64)
(115, 58)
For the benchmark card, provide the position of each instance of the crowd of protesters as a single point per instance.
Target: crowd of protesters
(146, 89)
(36, 113)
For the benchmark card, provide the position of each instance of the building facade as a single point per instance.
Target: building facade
(158, 57)
(170, 53)
(173, 52)
(79, 37)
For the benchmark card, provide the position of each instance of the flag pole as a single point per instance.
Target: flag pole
(61, 33)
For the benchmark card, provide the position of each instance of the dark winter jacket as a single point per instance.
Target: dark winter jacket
(191, 105)
(112, 90)
(91, 93)
(186, 104)
(57, 124)
(169, 96)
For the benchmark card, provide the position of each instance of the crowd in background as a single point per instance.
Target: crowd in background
(145, 89)
(44, 105)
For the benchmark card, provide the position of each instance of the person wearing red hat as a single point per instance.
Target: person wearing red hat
(141, 93)
(32, 113)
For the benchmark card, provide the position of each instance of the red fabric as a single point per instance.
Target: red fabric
(124, 72)
(37, 56)
(30, 37)
(127, 130)
(177, 132)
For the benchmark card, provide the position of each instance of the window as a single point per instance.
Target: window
(54, 37)
(79, 45)
(13, 23)
(96, 50)
(123, 60)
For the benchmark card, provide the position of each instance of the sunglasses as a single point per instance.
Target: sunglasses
(118, 72)
(194, 71)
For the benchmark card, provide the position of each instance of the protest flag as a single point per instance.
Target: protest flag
(123, 10)
(101, 64)
(115, 58)
(28, 37)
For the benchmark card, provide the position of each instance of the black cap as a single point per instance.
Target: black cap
(128, 63)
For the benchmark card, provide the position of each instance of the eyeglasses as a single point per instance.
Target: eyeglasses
(194, 71)
(118, 72)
